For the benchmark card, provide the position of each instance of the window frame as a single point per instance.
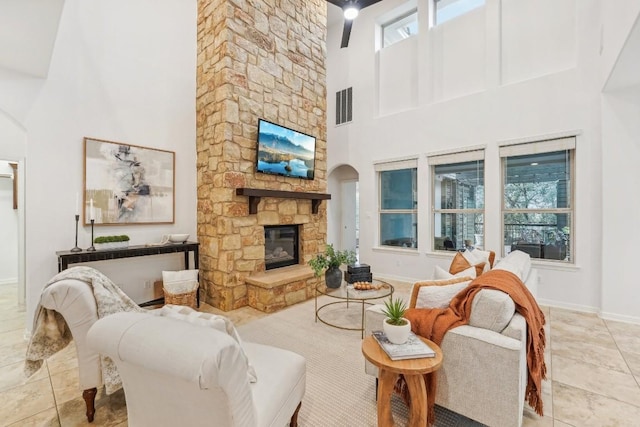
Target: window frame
(396, 19)
(542, 147)
(474, 154)
(396, 165)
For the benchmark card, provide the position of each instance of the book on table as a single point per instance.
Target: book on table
(414, 348)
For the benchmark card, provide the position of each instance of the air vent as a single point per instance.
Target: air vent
(344, 106)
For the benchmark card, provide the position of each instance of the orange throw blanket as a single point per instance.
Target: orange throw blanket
(433, 324)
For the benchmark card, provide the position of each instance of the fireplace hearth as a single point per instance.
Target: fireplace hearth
(280, 246)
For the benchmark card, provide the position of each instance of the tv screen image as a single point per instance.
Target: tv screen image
(284, 151)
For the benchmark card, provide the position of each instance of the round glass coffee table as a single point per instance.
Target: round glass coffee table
(346, 295)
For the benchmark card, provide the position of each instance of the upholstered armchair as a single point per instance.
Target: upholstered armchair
(69, 304)
(484, 372)
(179, 373)
(74, 300)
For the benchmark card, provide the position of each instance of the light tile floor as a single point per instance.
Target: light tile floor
(593, 374)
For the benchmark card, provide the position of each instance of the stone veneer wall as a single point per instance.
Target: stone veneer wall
(256, 59)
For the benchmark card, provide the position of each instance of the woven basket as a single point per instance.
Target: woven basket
(188, 298)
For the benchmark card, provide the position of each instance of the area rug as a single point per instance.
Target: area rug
(339, 393)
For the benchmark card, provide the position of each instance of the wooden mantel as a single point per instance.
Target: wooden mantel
(255, 194)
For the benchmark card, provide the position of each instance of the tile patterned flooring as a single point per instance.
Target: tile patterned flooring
(593, 374)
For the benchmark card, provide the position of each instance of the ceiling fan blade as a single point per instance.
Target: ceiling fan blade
(366, 3)
(346, 32)
(338, 3)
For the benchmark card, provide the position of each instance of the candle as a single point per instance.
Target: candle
(77, 204)
(91, 213)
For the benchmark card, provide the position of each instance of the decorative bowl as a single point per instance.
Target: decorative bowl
(178, 238)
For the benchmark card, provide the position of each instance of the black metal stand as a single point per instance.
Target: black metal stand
(76, 248)
(91, 248)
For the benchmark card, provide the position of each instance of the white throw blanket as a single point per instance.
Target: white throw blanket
(51, 333)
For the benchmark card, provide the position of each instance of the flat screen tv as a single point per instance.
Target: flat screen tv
(284, 151)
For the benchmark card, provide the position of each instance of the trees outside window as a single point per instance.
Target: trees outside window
(537, 198)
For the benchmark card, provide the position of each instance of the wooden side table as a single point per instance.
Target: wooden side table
(413, 371)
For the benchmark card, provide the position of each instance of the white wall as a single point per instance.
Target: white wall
(507, 94)
(122, 71)
(620, 127)
(620, 136)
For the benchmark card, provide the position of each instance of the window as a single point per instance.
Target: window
(449, 9)
(537, 211)
(457, 188)
(400, 28)
(398, 207)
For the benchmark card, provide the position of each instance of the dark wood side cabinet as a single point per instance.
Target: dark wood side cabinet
(65, 258)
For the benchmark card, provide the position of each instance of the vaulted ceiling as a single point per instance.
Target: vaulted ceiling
(28, 30)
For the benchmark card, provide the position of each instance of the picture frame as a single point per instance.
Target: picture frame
(127, 184)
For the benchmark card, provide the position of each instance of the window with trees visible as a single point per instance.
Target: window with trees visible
(457, 188)
(398, 203)
(538, 212)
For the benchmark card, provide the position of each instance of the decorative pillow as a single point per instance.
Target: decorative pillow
(440, 273)
(517, 262)
(179, 282)
(476, 256)
(437, 293)
(217, 322)
(461, 263)
(488, 256)
(491, 309)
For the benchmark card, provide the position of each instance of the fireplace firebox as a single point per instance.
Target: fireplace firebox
(280, 246)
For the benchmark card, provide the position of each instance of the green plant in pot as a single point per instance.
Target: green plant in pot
(395, 326)
(111, 242)
(331, 260)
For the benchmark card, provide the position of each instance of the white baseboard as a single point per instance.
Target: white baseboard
(620, 318)
(568, 306)
(9, 281)
(396, 278)
(595, 310)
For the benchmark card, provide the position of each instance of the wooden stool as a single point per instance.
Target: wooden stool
(413, 371)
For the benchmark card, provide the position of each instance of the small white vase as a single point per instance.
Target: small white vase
(397, 334)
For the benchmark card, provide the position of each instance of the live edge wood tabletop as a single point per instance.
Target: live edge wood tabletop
(413, 371)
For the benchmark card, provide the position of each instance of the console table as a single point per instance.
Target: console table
(67, 257)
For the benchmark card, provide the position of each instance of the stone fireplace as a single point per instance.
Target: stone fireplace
(257, 60)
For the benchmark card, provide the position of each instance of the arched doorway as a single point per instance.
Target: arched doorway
(12, 160)
(343, 212)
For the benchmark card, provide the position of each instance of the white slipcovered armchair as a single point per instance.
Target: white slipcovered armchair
(178, 373)
(484, 372)
(75, 302)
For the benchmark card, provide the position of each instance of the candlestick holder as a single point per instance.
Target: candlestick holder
(91, 248)
(76, 248)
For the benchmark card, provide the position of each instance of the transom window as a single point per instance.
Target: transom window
(538, 213)
(457, 182)
(400, 28)
(398, 204)
(449, 9)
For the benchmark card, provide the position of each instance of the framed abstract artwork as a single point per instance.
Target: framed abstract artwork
(128, 184)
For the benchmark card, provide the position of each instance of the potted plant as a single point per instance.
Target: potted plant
(331, 260)
(111, 242)
(395, 326)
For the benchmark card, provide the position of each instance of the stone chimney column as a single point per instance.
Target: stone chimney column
(256, 59)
